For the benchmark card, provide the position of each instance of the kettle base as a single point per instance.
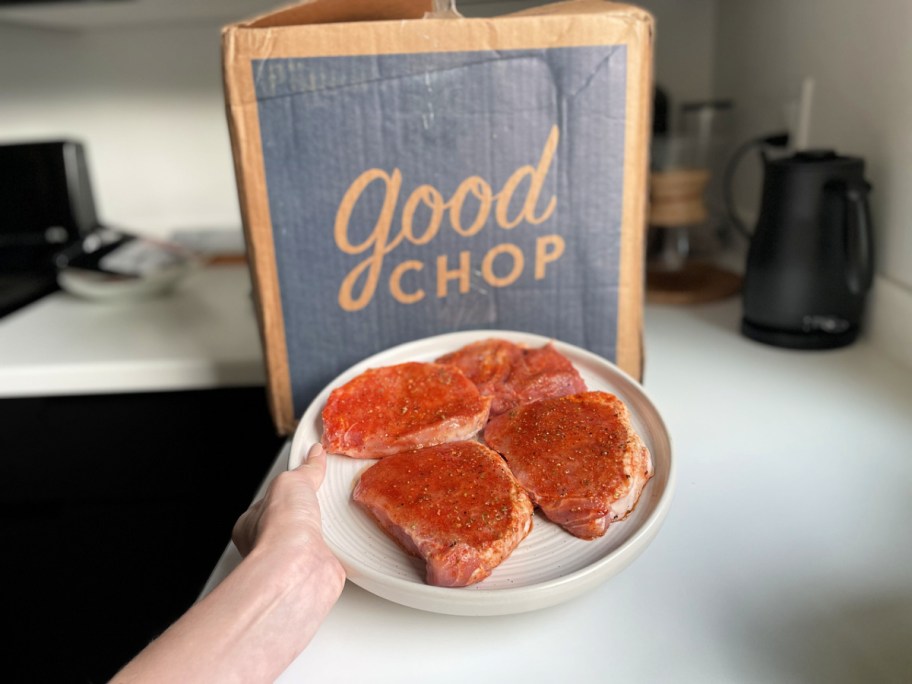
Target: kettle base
(791, 339)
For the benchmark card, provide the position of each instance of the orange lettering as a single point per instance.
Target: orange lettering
(382, 241)
(544, 255)
(377, 238)
(461, 274)
(482, 192)
(430, 197)
(536, 178)
(487, 265)
(396, 290)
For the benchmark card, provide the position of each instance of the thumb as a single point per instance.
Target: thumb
(314, 464)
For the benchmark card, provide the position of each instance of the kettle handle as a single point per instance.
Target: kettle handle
(858, 239)
(764, 141)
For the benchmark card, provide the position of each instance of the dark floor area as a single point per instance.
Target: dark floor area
(113, 512)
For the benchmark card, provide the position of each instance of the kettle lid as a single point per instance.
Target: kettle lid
(814, 159)
(811, 156)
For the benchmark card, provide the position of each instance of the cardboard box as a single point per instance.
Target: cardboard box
(402, 176)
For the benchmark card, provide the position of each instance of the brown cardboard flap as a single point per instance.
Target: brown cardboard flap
(619, 9)
(581, 25)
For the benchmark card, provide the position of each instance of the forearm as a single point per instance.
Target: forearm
(250, 627)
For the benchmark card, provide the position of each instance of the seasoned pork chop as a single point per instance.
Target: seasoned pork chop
(544, 373)
(512, 374)
(457, 506)
(578, 457)
(406, 406)
(488, 363)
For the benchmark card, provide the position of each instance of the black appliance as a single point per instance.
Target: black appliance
(810, 261)
(46, 205)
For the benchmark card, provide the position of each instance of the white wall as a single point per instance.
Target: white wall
(685, 48)
(148, 103)
(860, 57)
(685, 41)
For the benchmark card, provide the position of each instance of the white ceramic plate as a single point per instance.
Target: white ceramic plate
(550, 566)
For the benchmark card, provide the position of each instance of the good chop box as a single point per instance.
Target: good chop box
(402, 176)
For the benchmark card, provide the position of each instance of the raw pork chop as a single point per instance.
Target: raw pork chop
(544, 373)
(407, 406)
(513, 375)
(488, 364)
(578, 457)
(455, 505)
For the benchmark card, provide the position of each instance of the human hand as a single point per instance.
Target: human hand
(288, 516)
(265, 612)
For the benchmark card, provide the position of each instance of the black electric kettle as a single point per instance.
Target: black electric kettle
(810, 262)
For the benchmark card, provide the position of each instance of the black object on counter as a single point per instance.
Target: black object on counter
(46, 204)
(810, 262)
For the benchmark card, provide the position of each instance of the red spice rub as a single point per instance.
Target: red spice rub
(455, 505)
(578, 457)
(512, 375)
(410, 405)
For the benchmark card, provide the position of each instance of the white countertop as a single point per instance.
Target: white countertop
(200, 336)
(786, 556)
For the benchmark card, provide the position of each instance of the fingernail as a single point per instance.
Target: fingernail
(314, 450)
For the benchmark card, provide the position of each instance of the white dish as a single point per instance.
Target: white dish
(550, 566)
(103, 287)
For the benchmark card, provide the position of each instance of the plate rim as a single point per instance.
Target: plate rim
(475, 600)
